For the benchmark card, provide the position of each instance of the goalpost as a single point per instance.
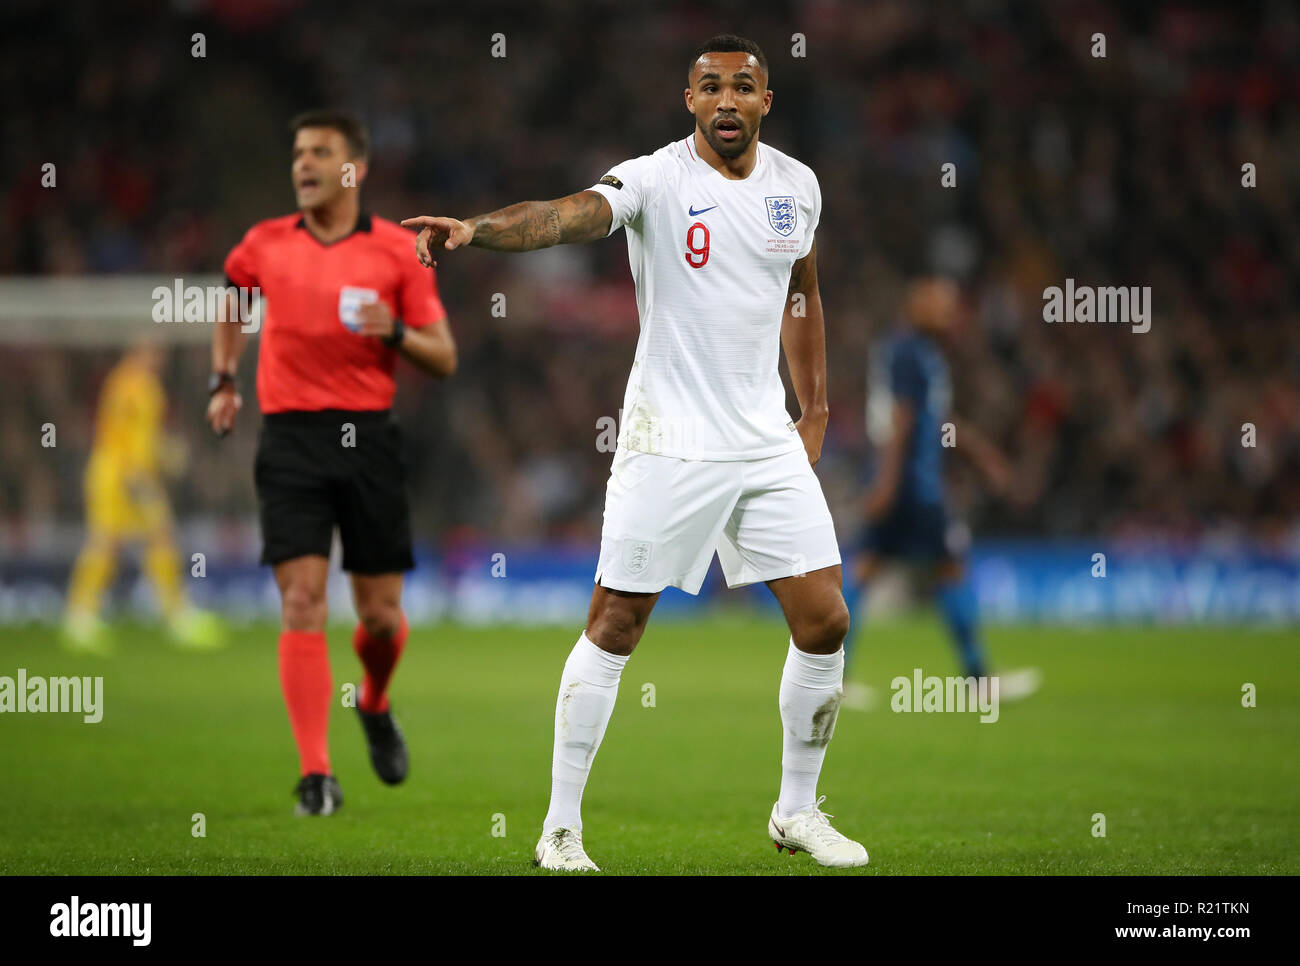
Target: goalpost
(102, 311)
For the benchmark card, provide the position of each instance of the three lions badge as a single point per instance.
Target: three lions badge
(782, 214)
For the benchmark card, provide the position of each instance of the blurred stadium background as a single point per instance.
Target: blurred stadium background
(1124, 170)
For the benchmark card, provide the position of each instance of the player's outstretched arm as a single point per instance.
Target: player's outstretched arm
(525, 227)
(803, 336)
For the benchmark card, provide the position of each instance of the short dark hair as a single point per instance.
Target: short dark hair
(728, 44)
(349, 125)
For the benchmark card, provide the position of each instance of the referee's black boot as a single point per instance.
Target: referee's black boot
(318, 795)
(387, 746)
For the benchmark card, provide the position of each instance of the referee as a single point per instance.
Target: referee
(343, 298)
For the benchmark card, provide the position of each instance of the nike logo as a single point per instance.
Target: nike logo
(778, 828)
(693, 212)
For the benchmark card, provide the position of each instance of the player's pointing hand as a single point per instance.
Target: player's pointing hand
(435, 231)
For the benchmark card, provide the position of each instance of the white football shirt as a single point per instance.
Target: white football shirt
(711, 258)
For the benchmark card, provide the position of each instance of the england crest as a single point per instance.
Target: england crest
(781, 213)
(636, 555)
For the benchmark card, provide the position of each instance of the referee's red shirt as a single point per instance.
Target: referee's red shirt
(309, 360)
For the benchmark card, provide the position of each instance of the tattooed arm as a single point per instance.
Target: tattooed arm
(524, 227)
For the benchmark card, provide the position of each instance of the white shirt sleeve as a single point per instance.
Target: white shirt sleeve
(629, 188)
(816, 215)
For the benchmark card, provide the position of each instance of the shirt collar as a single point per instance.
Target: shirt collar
(758, 162)
(363, 223)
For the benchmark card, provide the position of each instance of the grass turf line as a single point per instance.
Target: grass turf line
(1143, 724)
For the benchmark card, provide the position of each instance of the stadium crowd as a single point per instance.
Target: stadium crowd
(1125, 169)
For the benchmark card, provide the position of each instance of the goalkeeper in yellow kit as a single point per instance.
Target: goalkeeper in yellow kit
(126, 503)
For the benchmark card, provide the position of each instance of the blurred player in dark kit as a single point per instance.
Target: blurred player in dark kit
(909, 403)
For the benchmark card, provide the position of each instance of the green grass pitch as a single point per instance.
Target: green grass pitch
(1142, 724)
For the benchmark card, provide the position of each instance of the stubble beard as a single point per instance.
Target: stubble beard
(728, 149)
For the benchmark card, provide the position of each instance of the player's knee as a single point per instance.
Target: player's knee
(834, 627)
(382, 619)
(98, 543)
(616, 630)
(302, 607)
(950, 570)
(825, 633)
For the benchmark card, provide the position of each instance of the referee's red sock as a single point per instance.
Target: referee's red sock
(379, 656)
(308, 691)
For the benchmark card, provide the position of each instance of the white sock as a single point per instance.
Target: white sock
(588, 688)
(811, 688)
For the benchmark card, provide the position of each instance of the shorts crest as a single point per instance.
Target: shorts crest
(636, 555)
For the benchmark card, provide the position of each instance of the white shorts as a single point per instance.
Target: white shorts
(665, 517)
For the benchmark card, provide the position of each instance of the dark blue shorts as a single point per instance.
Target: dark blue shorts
(913, 532)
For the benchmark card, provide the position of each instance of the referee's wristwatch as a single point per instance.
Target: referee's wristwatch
(218, 380)
(394, 339)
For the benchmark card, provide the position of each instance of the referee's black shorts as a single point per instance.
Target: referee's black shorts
(318, 470)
